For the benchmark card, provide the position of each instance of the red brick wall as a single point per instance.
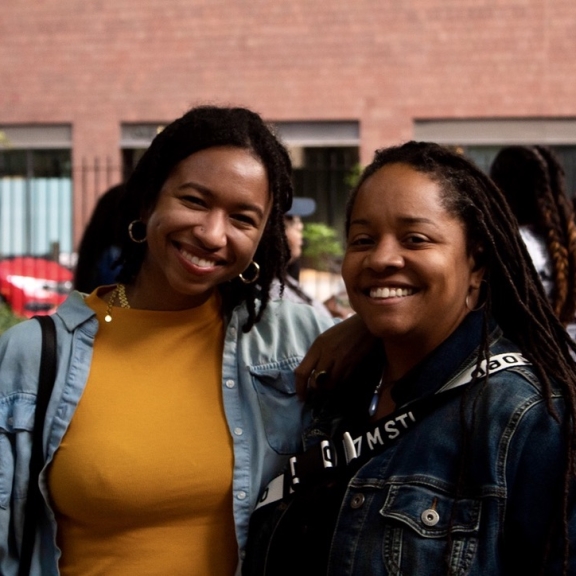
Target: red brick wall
(98, 63)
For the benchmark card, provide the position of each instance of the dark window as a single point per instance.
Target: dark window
(35, 163)
(130, 157)
(324, 177)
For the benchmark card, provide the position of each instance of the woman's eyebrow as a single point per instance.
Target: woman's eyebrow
(208, 192)
(403, 219)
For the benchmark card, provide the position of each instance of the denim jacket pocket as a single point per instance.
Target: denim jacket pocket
(282, 412)
(16, 423)
(426, 527)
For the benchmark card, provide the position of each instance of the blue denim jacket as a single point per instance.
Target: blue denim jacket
(264, 416)
(491, 503)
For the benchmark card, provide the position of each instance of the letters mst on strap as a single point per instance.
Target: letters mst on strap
(357, 447)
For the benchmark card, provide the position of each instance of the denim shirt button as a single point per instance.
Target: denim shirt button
(357, 501)
(430, 517)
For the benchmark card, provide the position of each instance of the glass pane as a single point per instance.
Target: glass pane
(35, 216)
(13, 163)
(324, 177)
(51, 163)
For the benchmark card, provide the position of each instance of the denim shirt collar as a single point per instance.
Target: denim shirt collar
(456, 352)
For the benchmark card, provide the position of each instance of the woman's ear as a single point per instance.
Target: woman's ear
(477, 278)
(478, 267)
(479, 258)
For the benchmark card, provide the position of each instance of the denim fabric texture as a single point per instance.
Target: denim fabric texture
(257, 387)
(468, 491)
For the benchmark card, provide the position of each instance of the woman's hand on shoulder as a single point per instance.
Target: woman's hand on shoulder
(333, 356)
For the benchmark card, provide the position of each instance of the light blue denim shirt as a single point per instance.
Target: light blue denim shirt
(264, 416)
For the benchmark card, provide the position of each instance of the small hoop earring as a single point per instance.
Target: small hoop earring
(131, 231)
(479, 294)
(256, 274)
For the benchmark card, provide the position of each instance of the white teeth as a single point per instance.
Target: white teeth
(390, 292)
(200, 262)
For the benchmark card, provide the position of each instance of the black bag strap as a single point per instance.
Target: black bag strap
(355, 447)
(46, 378)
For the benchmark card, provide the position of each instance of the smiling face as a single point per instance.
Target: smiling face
(406, 268)
(204, 229)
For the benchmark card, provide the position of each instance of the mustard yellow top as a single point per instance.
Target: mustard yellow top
(142, 483)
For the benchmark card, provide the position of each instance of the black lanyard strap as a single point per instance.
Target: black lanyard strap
(356, 446)
(361, 445)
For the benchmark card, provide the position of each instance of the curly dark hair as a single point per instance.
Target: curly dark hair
(533, 181)
(200, 128)
(514, 293)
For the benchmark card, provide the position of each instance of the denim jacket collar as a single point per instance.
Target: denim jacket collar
(453, 355)
(73, 311)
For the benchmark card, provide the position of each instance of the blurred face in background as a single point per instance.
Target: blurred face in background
(294, 228)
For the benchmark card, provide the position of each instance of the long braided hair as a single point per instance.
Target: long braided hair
(533, 182)
(514, 293)
(200, 128)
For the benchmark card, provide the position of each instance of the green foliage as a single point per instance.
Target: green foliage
(353, 176)
(321, 246)
(7, 318)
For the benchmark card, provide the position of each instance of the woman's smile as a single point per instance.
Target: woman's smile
(390, 292)
(198, 261)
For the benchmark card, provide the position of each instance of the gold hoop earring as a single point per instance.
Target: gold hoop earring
(466, 303)
(256, 274)
(131, 231)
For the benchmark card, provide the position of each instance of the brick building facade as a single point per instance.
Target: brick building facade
(93, 79)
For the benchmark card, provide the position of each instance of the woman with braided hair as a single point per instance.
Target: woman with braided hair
(452, 450)
(532, 180)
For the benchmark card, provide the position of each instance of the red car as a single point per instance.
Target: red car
(32, 285)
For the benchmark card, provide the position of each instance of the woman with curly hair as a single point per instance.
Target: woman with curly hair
(173, 404)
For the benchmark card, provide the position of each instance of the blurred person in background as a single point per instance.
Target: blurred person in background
(294, 228)
(337, 305)
(99, 250)
(533, 182)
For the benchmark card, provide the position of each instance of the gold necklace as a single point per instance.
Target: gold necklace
(120, 294)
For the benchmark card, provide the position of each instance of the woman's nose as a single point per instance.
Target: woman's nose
(212, 231)
(387, 253)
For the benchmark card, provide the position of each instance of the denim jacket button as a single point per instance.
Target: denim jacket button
(430, 517)
(357, 501)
